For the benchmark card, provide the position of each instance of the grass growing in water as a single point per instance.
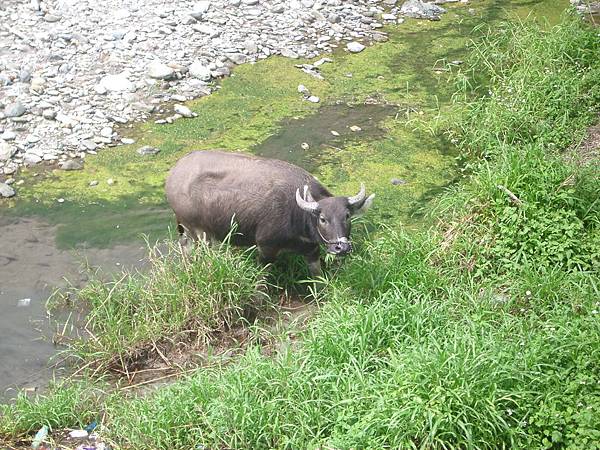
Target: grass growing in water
(177, 299)
(416, 347)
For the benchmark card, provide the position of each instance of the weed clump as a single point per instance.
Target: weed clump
(528, 207)
(176, 299)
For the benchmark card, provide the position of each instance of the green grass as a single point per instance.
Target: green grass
(174, 300)
(543, 93)
(482, 333)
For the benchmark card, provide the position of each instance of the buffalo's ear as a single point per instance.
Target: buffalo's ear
(361, 208)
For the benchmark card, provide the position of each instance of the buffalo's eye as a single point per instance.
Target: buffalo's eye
(348, 215)
(322, 219)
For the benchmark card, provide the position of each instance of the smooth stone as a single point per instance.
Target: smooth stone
(49, 114)
(303, 90)
(51, 18)
(71, 164)
(288, 53)
(160, 71)
(31, 159)
(89, 144)
(117, 83)
(6, 151)
(221, 72)
(106, 132)
(201, 7)
(6, 191)
(237, 58)
(15, 110)
(8, 136)
(397, 181)
(128, 141)
(313, 99)
(148, 150)
(355, 47)
(200, 71)
(94, 183)
(183, 110)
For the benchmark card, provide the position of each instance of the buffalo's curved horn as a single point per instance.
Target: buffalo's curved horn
(303, 204)
(358, 198)
(307, 196)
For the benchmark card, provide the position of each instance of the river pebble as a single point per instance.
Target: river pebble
(6, 191)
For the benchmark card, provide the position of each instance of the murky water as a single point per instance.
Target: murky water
(31, 266)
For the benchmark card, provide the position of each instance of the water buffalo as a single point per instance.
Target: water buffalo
(275, 205)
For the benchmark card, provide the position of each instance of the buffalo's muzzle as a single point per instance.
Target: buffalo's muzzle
(340, 248)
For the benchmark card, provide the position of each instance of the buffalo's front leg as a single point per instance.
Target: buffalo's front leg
(313, 259)
(267, 254)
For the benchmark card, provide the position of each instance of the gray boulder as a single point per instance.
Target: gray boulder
(421, 10)
(6, 191)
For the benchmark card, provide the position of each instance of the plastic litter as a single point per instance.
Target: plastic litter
(91, 427)
(99, 446)
(23, 302)
(39, 437)
(78, 434)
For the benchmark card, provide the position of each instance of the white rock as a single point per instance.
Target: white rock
(117, 83)
(6, 191)
(31, 159)
(200, 71)
(183, 110)
(8, 135)
(6, 151)
(206, 29)
(160, 71)
(106, 132)
(355, 47)
(201, 7)
(303, 90)
(313, 99)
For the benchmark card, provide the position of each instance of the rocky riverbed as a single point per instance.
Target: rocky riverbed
(71, 71)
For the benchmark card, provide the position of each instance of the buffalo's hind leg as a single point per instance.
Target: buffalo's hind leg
(187, 238)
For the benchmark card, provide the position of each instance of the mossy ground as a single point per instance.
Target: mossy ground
(409, 71)
(260, 100)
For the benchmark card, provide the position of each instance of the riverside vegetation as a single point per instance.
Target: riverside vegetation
(482, 332)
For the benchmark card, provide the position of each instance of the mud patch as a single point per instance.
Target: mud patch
(588, 152)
